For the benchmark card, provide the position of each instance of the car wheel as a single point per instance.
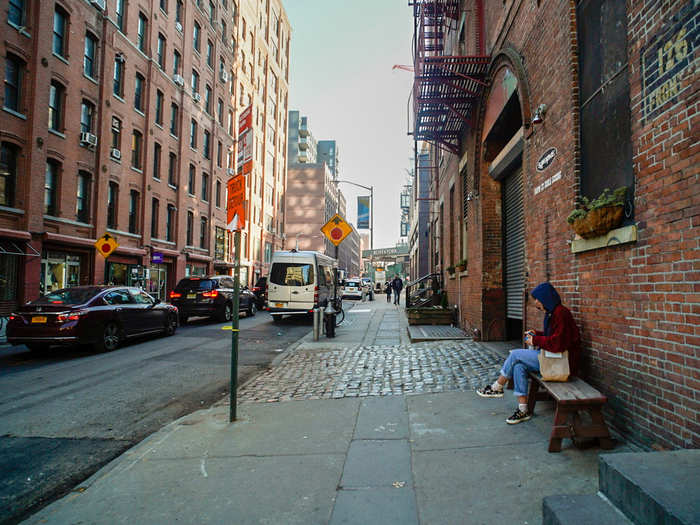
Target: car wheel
(226, 313)
(171, 325)
(110, 338)
(183, 319)
(38, 349)
(252, 309)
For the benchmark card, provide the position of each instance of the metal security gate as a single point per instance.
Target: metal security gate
(514, 237)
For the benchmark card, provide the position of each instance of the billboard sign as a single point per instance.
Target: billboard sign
(363, 212)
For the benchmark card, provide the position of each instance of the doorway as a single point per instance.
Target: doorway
(514, 252)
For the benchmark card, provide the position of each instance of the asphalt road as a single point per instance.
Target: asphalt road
(64, 415)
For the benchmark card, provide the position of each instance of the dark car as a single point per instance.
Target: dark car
(210, 297)
(260, 292)
(101, 316)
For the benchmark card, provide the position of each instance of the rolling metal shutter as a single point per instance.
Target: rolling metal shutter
(514, 244)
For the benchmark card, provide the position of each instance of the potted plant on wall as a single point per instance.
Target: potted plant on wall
(462, 265)
(599, 216)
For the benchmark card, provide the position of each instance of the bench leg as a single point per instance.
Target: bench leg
(601, 428)
(560, 428)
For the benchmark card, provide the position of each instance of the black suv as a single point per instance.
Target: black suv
(210, 296)
(260, 291)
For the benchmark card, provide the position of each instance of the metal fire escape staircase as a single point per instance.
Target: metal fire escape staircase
(446, 87)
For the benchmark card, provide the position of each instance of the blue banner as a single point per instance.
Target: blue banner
(363, 213)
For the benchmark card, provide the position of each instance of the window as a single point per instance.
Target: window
(193, 134)
(56, 91)
(218, 194)
(157, 150)
(207, 99)
(133, 211)
(190, 180)
(196, 32)
(112, 195)
(160, 51)
(220, 244)
(195, 81)
(172, 166)
(159, 107)
(176, 62)
(203, 232)
(178, 11)
(223, 28)
(190, 225)
(8, 173)
(170, 223)
(136, 145)
(205, 187)
(116, 133)
(220, 111)
(87, 115)
(60, 21)
(154, 217)
(141, 32)
(173, 118)
(82, 198)
(268, 252)
(292, 274)
(17, 13)
(164, 5)
(219, 153)
(230, 123)
(14, 71)
(210, 52)
(206, 147)
(118, 87)
(138, 92)
(51, 187)
(212, 12)
(89, 64)
(120, 12)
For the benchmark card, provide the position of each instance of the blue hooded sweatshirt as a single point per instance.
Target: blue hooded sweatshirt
(548, 296)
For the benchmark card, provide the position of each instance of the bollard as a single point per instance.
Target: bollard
(317, 324)
(329, 320)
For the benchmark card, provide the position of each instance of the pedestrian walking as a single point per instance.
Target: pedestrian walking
(397, 285)
(559, 334)
(387, 290)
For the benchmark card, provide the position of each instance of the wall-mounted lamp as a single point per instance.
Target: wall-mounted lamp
(539, 114)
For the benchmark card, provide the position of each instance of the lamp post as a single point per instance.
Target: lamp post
(371, 213)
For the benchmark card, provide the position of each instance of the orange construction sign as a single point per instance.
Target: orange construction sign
(336, 229)
(235, 205)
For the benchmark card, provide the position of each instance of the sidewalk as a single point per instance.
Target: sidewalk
(340, 449)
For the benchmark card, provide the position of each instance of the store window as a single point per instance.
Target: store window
(59, 270)
(122, 274)
(220, 243)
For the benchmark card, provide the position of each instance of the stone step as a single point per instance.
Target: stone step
(580, 509)
(653, 487)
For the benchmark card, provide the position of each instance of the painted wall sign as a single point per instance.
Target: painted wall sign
(546, 159)
(547, 183)
(668, 59)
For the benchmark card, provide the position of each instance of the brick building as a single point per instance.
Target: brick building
(531, 105)
(157, 86)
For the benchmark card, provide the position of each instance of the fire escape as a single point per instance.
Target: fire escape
(446, 87)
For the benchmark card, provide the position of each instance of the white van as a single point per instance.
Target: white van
(298, 282)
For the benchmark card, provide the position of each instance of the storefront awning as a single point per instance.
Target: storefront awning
(17, 248)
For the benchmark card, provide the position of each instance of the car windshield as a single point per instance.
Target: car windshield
(188, 285)
(352, 283)
(292, 274)
(68, 296)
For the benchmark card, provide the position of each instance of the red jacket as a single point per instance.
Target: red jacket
(564, 335)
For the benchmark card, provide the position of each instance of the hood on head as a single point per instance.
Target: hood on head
(547, 295)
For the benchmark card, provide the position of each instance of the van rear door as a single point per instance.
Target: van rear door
(291, 285)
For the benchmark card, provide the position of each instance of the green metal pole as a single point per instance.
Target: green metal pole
(234, 323)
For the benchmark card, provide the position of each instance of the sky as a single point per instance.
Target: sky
(341, 58)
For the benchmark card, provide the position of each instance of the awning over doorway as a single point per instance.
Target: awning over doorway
(8, 247)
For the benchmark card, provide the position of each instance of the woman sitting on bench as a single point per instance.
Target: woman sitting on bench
(560, 333)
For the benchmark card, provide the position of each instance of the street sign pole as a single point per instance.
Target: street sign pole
(234, 324)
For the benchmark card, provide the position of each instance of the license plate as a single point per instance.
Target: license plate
(191, 295)
(39, 319)
(279, 305)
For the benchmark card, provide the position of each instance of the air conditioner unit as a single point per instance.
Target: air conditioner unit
(115, 153)
(223, 75)
(100, 4)
(179, 80)
(178, 26)
(197, 97)
(231, 172)
(88, 138)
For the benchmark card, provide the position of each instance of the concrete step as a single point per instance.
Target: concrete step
(581, 509)
(653, 487)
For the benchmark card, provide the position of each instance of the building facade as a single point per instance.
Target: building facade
(327, 151)
(419, 215)
(537, 120)
(301, 146)
(157, 86)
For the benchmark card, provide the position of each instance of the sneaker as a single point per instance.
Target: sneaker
(517, 417)
(487, 391)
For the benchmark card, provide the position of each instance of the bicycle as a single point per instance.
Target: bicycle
(340, 313)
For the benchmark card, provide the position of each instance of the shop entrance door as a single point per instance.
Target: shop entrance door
(156, 283)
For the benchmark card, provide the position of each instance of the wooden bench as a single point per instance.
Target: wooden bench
(571, 398)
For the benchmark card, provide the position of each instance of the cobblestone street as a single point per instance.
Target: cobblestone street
(390, 365)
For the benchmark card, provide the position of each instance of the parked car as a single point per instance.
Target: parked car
(369, 287)
(260, 292)
(354, 288)
(101, 316)
(210, 297)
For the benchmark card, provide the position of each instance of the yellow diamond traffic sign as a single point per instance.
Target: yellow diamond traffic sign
(106, 244)
(336, 229)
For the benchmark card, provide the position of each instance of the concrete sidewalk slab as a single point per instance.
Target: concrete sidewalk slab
(386, 506)
(382, 418)
(379, 463)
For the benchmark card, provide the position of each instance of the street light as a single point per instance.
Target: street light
(371, 213)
